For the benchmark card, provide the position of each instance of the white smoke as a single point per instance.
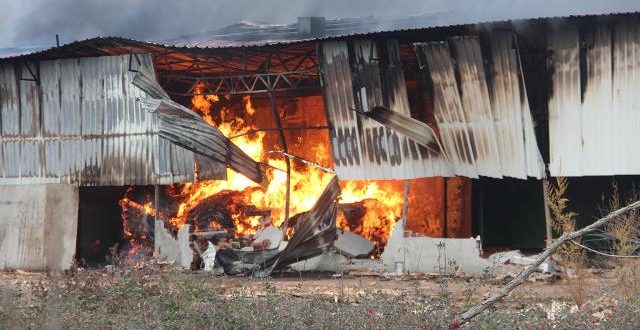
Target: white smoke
(27, 23)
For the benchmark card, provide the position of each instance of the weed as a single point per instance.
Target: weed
(572, 258)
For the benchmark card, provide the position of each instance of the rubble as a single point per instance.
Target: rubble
(352, 245)
(177, 249)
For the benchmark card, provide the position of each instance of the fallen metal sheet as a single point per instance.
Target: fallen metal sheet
(78, 121)
(415, 130)
(314, 233)
(361, 75)
(187, 129)
(593, 111)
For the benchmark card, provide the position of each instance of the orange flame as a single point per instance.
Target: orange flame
(382, 200)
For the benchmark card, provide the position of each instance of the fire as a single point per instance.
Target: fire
(137, 228)
(378, 203)
(382, 200)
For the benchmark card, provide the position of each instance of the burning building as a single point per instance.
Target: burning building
(440, 131)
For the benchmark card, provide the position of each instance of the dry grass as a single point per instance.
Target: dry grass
(168, 298)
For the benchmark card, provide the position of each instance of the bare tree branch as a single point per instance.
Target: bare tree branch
(524, 274)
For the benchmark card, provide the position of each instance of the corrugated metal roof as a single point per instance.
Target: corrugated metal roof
(593, 128)
(82, 123)
(209, 41)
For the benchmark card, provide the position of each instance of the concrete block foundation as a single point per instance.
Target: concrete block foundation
(38, 226)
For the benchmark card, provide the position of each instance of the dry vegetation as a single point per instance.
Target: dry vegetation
(163, 297)
(160, 296)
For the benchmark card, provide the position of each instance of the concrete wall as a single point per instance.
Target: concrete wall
(38, 226)
(433, 255)
(173, 249)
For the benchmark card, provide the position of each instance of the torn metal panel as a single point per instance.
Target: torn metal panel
(313, 233)
(477, 106)
(414, 129)
(79, 121)
(187, 129)
(486, 128)
(362, 75)
(450, 116)
(511, 113)
(565, 119)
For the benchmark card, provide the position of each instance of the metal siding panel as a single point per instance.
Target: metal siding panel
(362, 79)
(50, 85)
(338, 96)
(92, 103)
(70, 94)
(9, 98)
(448, 109)
(29, 105)
(52, 159)
(597, 114)
(565, 120)
(506, 105)
(476, 106)
(626, 107)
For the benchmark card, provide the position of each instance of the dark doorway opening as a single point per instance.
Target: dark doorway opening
(99, 224)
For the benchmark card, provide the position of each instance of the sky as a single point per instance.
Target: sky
(34, 23)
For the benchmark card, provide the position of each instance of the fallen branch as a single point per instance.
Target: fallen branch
(524, 274)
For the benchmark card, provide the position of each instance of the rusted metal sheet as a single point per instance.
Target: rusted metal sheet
(79, 121)
(352, 75)
(594, 115)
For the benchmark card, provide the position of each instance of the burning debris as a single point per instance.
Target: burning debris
(229, 214)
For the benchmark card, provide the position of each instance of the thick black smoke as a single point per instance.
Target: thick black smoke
(35, 22)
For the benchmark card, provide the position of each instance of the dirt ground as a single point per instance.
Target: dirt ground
(163, 296)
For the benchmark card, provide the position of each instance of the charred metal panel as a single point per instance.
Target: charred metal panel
(450, 116)
(79, 121)
(595, 112)
(363, 75)
(511, 112)
(484, 119)
(565, 120)
(626, 96)
(185, 128)
(477, 106)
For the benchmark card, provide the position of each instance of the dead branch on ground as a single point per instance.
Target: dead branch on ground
(524, 274)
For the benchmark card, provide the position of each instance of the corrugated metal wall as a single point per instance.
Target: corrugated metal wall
(358, 75)
(486, 129)
(594, 110)
(79, 121)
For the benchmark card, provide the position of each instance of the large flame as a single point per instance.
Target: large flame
(381, 200)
